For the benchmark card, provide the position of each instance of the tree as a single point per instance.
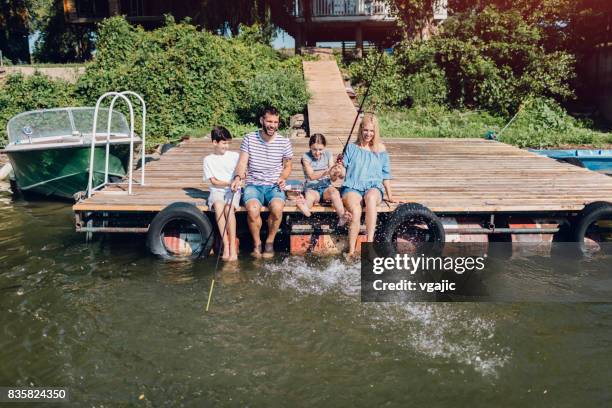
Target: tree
(60, 41)
(228, 16)
(15, 22)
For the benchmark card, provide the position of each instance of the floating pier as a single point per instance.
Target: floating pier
(478, 187)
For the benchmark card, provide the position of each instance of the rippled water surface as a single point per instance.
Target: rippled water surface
(113, 325)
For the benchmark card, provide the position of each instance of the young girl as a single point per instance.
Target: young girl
(319, 171)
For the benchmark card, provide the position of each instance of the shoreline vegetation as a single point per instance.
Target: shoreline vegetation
(453, 85)
(190, 78)
(527, 130)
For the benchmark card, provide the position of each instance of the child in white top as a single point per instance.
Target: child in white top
(218, 171)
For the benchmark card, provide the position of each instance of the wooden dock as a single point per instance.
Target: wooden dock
(449, 176)
(446, 175)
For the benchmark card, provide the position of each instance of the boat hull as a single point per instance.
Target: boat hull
(62, 172)
(596, 160)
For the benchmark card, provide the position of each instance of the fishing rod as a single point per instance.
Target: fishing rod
(212, 283)
(365, 96)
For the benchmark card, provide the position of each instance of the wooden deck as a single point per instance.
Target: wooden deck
(446, 175)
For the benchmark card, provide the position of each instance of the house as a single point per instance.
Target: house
(308, 21)
(312, 21)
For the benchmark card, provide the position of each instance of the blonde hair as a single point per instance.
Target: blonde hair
(376, 144)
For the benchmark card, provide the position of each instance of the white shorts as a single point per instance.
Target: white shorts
(224, 196)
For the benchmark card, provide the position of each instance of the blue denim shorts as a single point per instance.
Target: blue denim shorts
(345, 190)
(263, 194)
(319, 188)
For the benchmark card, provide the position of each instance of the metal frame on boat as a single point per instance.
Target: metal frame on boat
(118, 95)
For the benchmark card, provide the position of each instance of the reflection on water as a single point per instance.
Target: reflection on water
(112, 323)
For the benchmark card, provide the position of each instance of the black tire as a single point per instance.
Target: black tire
(593, 212)
(180, 212)
(414, 213)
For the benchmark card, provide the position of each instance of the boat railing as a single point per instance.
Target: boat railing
(125, 96)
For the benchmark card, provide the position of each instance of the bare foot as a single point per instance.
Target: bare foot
(225, 256)
(269, 250)
(301, 204)
(233, 258)
(345, 218)
(256, 251)
(349, 256)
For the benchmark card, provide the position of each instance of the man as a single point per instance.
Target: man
(265, 164)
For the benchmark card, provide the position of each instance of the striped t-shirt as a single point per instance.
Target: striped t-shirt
(265, 158)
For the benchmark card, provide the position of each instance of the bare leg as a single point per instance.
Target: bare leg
(372, 198)
(352, 203)
(231, 232)
(274, 218)
(220, 215)
(332, 194)
(254, 220)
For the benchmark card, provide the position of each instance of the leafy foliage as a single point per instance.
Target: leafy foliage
(544, 123)
(491, 60)
(60, 41)
(36, 92)
(541, 123)
(190, 79)
(15, 24)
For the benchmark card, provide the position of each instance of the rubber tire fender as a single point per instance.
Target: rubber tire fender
(591, 213)
(418, 212)
(180, 211)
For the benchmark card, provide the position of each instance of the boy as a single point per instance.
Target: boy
(219, 171)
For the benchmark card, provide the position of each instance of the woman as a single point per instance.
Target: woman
(368, 176)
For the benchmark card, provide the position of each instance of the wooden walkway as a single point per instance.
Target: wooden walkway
(446, 175)
(330, 110)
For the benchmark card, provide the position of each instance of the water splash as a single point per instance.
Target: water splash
(455, 332)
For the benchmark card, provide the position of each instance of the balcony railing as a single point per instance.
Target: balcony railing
(344, 8)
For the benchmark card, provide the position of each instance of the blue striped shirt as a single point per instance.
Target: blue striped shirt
(265, 158)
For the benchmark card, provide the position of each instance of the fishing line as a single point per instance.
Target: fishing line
(365, 96)
(212, 283)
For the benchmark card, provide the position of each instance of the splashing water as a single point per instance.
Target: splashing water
(451, 332)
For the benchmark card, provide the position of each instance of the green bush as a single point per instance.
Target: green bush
(388, 87)
(544, 123)
(492, 60)
(192, 79)
(437, 121)
(279, 88)
(541, 123)
(20, 94)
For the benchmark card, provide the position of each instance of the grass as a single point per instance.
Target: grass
(526, 131)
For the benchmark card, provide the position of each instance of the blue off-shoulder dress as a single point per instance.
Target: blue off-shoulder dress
(365, 170)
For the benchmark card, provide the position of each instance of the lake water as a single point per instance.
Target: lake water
(116, 325)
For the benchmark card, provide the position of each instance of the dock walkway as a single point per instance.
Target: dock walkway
(446, 175)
